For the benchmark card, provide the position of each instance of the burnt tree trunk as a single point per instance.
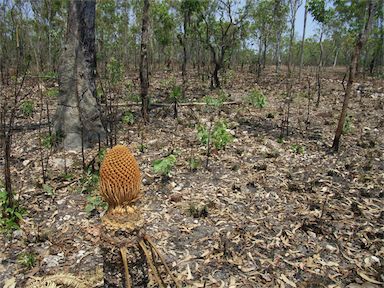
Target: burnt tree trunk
(78, 116)
(360, 41)
(144, 81)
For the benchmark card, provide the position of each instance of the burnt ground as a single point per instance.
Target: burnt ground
(272, 211)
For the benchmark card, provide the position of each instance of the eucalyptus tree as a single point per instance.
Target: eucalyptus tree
(222, 21)
(48, 24)
(322, 15)
(262, 15)
(78, 119)
(280, 14)
(163, 29)
(186, 9)
(359, 17)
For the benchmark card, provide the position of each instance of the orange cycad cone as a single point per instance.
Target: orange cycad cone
(119, 177)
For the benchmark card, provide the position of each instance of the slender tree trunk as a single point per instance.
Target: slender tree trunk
(185, 55)
(335, 59)
(318, 74)
(144, 81)
(265, 52)
(302, 40)
(360, 41)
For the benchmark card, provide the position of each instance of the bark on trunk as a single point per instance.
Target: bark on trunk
(361, 40)
(302, 40)
(78, 117)
(144, 82)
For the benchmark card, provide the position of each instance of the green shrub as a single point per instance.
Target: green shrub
(347, 126)
(9, 216)
(53, 92)
(27, 260)
(27, 107)
(165, 165)
(194, 163)
(297, 149)
(93, 203)
(257, 98)
(128, 118)
(220, 136)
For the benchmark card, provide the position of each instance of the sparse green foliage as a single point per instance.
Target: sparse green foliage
(93, 203)
(48, 190)
(198, 212)
(115, 71)
(175, 94)
(257, 98)
(27, 260)
(89, 182)
(220, 136)
(128, 118)
(52, 92)
(165, 165)
(348, 127)
(298, 149)
(27, 107)
(142, 147)
(216, 101)
(194, 163)
(9, 216)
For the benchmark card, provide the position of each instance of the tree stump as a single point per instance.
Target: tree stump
(122, 229)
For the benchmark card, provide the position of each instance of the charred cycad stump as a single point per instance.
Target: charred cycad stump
(124, 261)
(123, 226)
(126, 250)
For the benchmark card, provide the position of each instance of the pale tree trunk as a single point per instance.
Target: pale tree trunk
(335, 59)
(144, 81)
(294, 4)
(360, 41)
(302, 40)
(78, 117)
(318, 74)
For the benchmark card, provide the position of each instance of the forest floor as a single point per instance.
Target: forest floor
(268, 211)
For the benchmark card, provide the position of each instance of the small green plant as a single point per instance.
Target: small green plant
(89, 182)
(49, 74)
(219, 135)
(347, 126)
(175, 94)
(93, 203)
(48, 190)
(143, 147)
(198, 212)
(27, 260)
(128, 118)
(257, 98)
(218, 101)
(47, 141)
(165, 165)
(297, 149)
(9, 216)
(167, 83)
(53, 92)
(50, 140)
(194, 163)
(115, 71)
(27, 107)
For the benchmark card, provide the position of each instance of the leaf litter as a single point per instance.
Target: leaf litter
(266, 213)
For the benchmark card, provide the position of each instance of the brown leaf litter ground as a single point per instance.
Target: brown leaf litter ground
(271, 215)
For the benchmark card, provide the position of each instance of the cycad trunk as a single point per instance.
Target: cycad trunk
(78, 117)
